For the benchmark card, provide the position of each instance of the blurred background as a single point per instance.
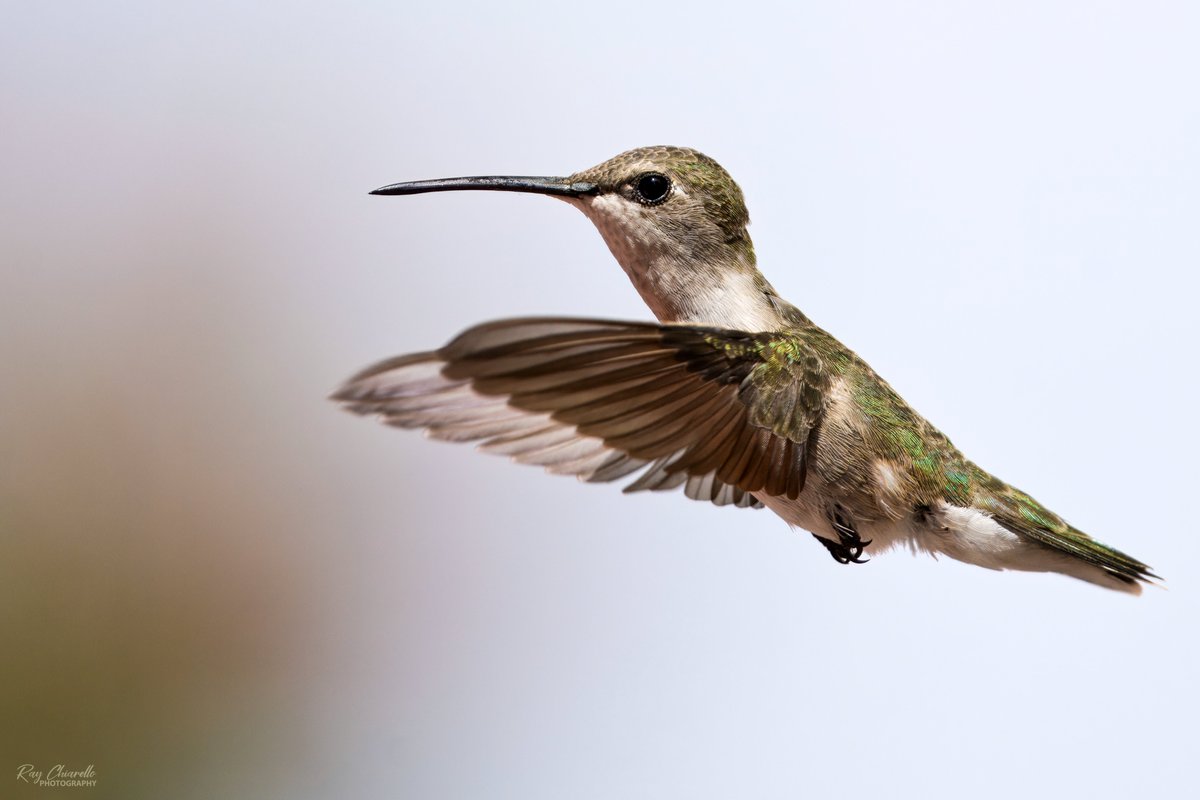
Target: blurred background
(213, 583)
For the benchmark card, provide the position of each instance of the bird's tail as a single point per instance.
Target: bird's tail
(1082, 556)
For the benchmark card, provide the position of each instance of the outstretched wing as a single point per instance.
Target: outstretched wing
(723, 413)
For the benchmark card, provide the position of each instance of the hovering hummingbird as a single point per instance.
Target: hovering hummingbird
(735, 395)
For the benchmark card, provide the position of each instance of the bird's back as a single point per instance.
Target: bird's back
(903, 481)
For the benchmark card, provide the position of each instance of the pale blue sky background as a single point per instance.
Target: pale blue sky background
(214, 583)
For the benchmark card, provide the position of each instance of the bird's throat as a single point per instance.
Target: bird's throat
(720, 295)
(716, 284)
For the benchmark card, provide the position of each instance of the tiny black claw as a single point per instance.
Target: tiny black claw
(842, 553)
(849, 547)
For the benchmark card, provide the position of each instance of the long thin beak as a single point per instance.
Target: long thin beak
(559, 187)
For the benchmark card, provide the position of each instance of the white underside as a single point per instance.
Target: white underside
(964, 534)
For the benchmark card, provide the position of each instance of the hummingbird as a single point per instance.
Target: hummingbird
(734, 394)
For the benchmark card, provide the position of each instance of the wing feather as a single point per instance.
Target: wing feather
(722, 413)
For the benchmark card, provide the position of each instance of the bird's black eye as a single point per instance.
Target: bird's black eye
(652, 188)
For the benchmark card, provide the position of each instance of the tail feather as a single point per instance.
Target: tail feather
(1024, 516)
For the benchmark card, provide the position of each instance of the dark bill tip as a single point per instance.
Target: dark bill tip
(559, 187)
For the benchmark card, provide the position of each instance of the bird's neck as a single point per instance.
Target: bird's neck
(722, 288)
(727, 295)
(689, 279)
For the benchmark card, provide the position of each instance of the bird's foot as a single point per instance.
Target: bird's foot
(848, 549)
